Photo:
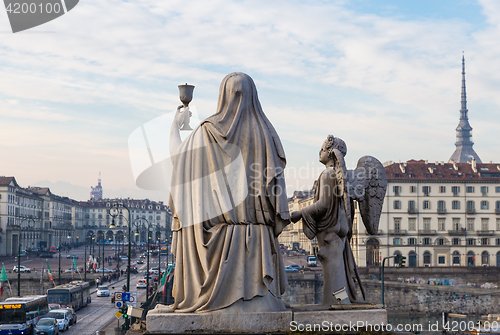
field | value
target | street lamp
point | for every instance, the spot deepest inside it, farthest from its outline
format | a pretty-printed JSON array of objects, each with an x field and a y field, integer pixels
[
  {"x": 141, "y": 222},
  {"x": 85, "y": 267},
  {"x": 115, "y": 211},
  {"x": 25, "y": 223},
  {"x": 60, "y": 228}
]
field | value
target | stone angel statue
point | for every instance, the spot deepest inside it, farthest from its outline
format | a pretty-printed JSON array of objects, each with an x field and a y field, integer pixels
[{"x": 330, "y": 217}]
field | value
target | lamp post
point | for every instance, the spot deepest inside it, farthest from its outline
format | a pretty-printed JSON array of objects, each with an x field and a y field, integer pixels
[
  {"x": 141, "y": 222},
  {"x": 85, "y": 267},
  {"x": 25, "y": 223},
  {"x": 90, "y": 236},
  {"x": 60, "y": 228},
  {"x": 114, "y": 211},
  {"x": 102, "y": 242}
]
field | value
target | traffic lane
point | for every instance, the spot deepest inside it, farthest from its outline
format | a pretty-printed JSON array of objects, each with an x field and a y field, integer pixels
[
  {"x": 141, "y": 297},
  {"x": 100, "y": 312}
]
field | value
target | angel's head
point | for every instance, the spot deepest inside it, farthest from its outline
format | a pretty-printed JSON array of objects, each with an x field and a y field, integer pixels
[{"x": 326, "y": 153}]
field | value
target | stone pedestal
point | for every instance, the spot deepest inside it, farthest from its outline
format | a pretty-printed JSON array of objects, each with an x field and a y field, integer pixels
[
  {"x": 295, "y": 319},
  {"x": 218, "y": 322}
]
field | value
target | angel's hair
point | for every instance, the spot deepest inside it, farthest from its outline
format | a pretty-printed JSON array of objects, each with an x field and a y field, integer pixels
[{"x": 332, "y": 142}]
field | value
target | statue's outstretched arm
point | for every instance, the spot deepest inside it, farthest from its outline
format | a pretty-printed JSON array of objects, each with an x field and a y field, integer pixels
[{"x": 175, "y": 134}]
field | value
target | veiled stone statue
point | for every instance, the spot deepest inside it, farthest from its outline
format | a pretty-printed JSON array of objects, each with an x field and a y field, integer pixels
[
  {"x": 229, "y": 204},
  {"x": 330, "y": 217}
]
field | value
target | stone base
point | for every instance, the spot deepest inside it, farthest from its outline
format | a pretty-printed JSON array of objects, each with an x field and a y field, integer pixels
[
  {"x": 274, "y": 322},
  {"x": 218, "y": 322},
  {"x": 342, "y": 321}
]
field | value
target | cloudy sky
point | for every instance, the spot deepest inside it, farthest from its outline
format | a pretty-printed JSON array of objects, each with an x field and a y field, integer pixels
[{"x": 384, "y": 76}]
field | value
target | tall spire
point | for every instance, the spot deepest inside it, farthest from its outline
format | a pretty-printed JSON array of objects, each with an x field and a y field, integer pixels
[
  {"x": 464, "y": 94},
  {"x": 464, "y": 151}
]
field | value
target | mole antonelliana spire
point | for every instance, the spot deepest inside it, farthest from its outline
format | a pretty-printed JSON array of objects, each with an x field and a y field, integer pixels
[{"x": 464, "y": 152}]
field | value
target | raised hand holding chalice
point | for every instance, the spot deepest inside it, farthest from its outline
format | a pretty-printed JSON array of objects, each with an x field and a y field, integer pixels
[{"x": 186, "y": 95}]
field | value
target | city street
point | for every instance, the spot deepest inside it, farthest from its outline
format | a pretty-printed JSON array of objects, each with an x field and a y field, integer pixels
[
  {"x": 36, "y": 263},
  {"x": 99, "y": 314}
]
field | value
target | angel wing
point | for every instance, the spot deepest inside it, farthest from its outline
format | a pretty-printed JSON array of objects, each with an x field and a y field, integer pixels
[{"x": 367, "y": 184}]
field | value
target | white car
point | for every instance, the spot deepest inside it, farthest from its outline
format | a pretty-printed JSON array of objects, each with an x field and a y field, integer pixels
[
  {"x": 22, "y": 268},
  {"x": 123, "y": 258},
  {"x": 101, "y": 270},
  {"x": 141, "y": 283},
  {"x": 62, "y": 316},
  {"x": 103, "y": 291}
]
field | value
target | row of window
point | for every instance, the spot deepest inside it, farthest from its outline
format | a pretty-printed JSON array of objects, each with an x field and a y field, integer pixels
[
  {"x": 455, "y": 258},
  {"x": 426, "y": 190},
  {"x": 456, "y": 224},
  {"x": 441, "y": 205},
  {"x": 444, "y": 241}
]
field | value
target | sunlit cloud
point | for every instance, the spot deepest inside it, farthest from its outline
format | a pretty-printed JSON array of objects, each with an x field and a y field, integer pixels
[{"x": 387, "y": 84}]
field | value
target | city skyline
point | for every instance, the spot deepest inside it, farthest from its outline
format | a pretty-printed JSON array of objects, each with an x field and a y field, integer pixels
[{"x": 384, "y": 77}]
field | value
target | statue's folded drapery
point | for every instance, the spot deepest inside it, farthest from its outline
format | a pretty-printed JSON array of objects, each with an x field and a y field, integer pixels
[
  {"x": 229, "y": 204},
  {"x": 326, "y": 216}
]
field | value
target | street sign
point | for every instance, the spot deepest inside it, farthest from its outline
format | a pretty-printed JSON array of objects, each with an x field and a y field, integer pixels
[
  {"x": 118, "y": 315},
  {"x": 119, "y": 304},
  {"x": 125, "y": 296},
  {"x": 129, "y": 297},
  {"x": 133, "y": 299},
  {"x": 118, "y": 296}
]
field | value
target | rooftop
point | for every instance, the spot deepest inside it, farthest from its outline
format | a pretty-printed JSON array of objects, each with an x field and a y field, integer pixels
[{"x": 422, "y": 170}]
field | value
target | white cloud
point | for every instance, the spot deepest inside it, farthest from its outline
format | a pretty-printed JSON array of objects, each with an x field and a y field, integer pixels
[{"x": 390, "y": 87}]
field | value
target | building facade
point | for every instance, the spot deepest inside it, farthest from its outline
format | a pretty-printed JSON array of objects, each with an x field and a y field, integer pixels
[
  {"x": 437, "y": 214},
  {"x": 96, "y": 221},
  {"x": 34, "y": 217}
]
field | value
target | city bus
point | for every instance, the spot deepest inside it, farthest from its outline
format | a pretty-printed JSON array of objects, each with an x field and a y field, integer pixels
[
  {"x": 19, "y": 315},
  {"x": 86, "y": 298},
  {"x": 66, "y": 295}
]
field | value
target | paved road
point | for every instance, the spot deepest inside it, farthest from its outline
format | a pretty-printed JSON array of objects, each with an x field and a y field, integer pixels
[{"x": 99, "y": 314}]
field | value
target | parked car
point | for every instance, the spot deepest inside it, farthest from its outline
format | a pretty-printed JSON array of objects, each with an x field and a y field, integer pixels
[
  {"x": 72, "y": 256},
  {"x": 46, "y": 255},
  {"x": 73, "y": 315},
  {"x": 46, "y": 326},
  {"x": 103, "y": 291},
  {"x": 62, "y": 317},
  {"x": 141, "y": 283},
  {"x": 69, "y": 271},
  {"x": 295, "y": 266},
  {"x": 123, "y": 258},
  {"x": 117, "y": 248},
  {"x": 101, "y": 270},
  {"x": 288, "y": 268},
  {"x": 22, "y": 268}
]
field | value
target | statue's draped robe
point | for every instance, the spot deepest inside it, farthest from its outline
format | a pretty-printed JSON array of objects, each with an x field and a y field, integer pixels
[
  {"x": 229, "y": 204},
  {"x": 329, "y": 213}
]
